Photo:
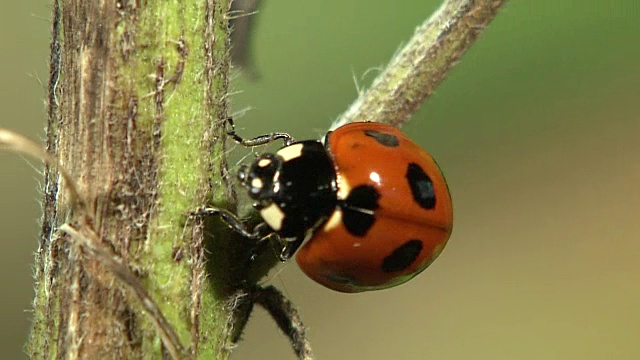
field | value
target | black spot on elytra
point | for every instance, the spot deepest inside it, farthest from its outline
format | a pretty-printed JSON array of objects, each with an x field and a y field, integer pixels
[
  {"x": 357, "y": 223},
  {"x": 402, "y": 257},
  {"x": 363, "y": 197},
  {"x": 421, "y": 186},
  {"x": 358, "y": 209},
  {"x": 383, "y": 138}
]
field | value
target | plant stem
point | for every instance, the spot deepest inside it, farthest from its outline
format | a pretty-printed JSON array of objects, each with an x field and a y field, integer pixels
[
  {"x": 136, "y": 90},
  {"x": 417, "y": 69}
]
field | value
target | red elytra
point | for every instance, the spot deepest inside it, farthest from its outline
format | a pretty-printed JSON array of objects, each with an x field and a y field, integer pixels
[{"x": 411, "y": 222}]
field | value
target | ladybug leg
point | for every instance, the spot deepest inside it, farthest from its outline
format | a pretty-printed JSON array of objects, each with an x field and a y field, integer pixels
[
  {"x": 286, "y": 315},
  {"x": 260, "y": 231},
  {"x": 290, "y": 246},
  {"x": 266, "y": 244},
  {"x": 281, "y": 309},
  {"x": 262, "y": 234},
  {"x": 258, "y": 140}
]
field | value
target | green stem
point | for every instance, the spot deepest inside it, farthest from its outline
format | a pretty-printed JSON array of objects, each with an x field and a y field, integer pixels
[{"x": 135, "y": 96}]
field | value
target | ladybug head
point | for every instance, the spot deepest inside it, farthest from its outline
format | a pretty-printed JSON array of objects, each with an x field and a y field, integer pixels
[{"x": 260, "y": 177}]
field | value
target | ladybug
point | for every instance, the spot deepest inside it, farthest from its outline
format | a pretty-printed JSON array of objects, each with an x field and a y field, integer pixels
[{"x": 367, "y": 209}]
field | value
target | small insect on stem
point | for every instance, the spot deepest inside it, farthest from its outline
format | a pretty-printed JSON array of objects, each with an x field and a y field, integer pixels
[{"x": 345, "y": 200}]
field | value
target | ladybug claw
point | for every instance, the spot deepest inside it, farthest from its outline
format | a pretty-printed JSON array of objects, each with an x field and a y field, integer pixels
[
  {"x": 284, "y": 255},
  {"x": 290, "y": 247}
]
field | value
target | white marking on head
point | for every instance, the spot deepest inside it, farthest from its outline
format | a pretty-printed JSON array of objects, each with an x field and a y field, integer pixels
[
  {"x": 257, "y": 183},
  {"x": 273, "y": 216},
  {"x": 290, "y": 152},
  {"x": 343, "y": 187},
  {"x": 264, "y": 163},
  {"x": 334, "y": 220}
]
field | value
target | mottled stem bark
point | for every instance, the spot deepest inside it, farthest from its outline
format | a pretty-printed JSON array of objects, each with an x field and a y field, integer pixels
[{"x": 136, "y": 94}]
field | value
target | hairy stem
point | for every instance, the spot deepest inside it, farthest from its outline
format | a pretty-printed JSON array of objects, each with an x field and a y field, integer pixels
[
  {"x": 416, "y": 70},
  {"x": 135, "y": 93}
]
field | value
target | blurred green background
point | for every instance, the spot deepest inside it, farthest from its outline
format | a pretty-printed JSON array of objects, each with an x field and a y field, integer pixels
[{"x": 537, "y": 131}]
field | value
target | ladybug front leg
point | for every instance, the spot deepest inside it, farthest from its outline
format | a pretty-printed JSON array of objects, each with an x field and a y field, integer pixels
[
  {"x": 290, "y": 246},
  {"x": 262, "y": 234},
  {"x": 259, "y": 232},
  {"x": 258, "y": 140}
]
